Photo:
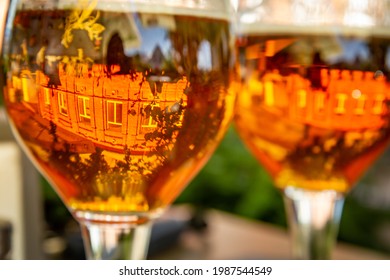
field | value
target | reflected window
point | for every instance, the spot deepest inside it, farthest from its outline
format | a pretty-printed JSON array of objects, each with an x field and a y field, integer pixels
[
  {"x": 319, "y": 102},
  {"x": 83, "y": 103},
  {"x": 62, "y": 103},
  {"x": 114, "y": 114},
  {"x": 147, "y": 115},
  {"x": 46, "y": 96},
  {"x": 360, "y": 102},
  {"x": 341, "y": 103},
  {"x": 378, "y": 104},
  {"x": 302, "y": 98},
  {"x": 269, "y": 97}
]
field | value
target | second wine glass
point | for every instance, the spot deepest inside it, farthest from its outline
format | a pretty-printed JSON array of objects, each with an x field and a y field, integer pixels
[{"x": 313, "y": 83}]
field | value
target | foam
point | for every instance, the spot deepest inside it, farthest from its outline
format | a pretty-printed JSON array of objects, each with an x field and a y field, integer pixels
[{"x": 264, "y": 29}]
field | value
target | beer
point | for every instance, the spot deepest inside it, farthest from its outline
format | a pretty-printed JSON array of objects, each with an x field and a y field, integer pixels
[
  {"x": 313, "y": 106},
  {"x": 118, "y": 110}
]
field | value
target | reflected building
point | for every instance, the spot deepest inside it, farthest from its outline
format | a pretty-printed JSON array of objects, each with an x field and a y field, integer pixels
[
  {"x": 346, "y": 99},
  {"x": 110, "y": 110},
  {"x": 91, "y": 88},
  {"x": 316, "y": 94}
]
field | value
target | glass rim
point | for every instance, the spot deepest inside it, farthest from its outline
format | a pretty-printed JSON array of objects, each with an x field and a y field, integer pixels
[{"x": 215, "y": 9}]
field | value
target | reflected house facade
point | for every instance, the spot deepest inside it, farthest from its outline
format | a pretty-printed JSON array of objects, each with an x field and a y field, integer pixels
[
  {"x": 96, "y": 101},
  {"x": 112, "y": 111},
  {"x": 323, "y": 97},
  {"x": 343, "y": 100}
]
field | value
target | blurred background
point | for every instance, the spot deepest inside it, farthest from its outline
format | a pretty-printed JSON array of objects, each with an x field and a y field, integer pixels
[{"x": 232, "y": 182}]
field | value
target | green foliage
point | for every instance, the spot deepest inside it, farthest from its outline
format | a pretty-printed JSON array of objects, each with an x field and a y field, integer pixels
[
  {"x": 56, "y": 214},
  {"x": 366, "y": 213},
  {"x": 234, "y": 181},
  {"x": 365, "y": 226}
]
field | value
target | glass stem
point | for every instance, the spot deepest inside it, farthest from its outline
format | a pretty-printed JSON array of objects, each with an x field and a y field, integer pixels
[
  {"x": 314, "y": 218},
  {"x": 122, "y": 241}
]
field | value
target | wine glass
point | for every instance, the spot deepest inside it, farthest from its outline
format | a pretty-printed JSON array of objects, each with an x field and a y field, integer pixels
[
  {"x": 313, "y": 85},
  {"x": 119, "y": 104}
]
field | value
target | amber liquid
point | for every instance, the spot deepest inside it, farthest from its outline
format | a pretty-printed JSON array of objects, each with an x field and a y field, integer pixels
[
  {"x": 314, "y": 110},
  {"x": 119, "y": 111}
]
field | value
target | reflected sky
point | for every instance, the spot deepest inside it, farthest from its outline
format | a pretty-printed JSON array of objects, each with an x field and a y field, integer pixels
[
  {"x": 352, "y": 50},
  {"x": 204, "y": 56},
  {"x": 153, "y": 36}
]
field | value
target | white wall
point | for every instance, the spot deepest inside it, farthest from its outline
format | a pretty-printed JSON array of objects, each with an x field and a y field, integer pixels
[
  {"x": 20, "y": 192},
  {"x": 3, "y": 10}
]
